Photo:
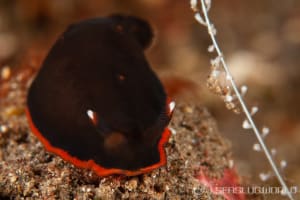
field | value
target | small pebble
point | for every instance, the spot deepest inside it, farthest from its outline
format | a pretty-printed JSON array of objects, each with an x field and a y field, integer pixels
[
  {"x": 5, "y": 73},
  {"x": 3, "y": 129},
  {"x": 131, "y": 184},
  {"x": 13, "y": 111},
  {"x": 231, "y": 163},
  {"x": 188, "y": 109}
]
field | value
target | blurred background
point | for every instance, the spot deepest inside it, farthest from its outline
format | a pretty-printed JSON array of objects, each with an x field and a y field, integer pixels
[{"x": 260, "y": 40}]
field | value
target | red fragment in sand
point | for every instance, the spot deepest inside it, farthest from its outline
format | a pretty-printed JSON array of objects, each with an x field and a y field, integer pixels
[{"x": 228, "y": 186}]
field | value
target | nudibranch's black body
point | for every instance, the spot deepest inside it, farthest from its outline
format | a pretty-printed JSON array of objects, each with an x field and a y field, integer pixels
[{"x": 96, "y": 102}]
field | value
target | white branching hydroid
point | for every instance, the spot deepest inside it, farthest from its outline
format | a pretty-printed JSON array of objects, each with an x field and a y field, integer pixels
[{"x": 223, "y": 89}]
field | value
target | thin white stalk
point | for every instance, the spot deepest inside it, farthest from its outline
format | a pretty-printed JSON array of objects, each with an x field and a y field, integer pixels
[{"x": 242, "y": 103}]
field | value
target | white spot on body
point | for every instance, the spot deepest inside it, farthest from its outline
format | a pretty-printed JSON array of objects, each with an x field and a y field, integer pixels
[
  {"x": 121, "y": 77},
  {"x": 93, "y": 116},
  {"x": 172, "y": 106}
]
